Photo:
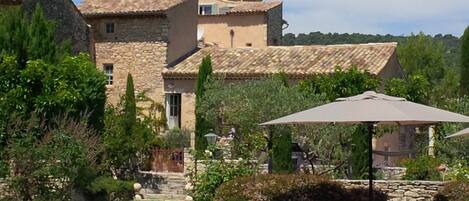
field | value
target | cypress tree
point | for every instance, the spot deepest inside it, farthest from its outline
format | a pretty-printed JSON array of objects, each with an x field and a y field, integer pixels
[
  {"x": 464, "y": 82},
  {"x": 281, "y": 150},
  {"x": 202, "y": 126},
  {"x": 41, "y": 33},
  {"x": 359, "y": 150},
  {"x": 130, "y": 107}
]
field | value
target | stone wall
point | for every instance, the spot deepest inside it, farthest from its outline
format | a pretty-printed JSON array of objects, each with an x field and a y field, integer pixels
[
  {"x": 70, "y": 24},
  {"x": 392, "y": 173},
  {"x": 274, "y": 26},
  {"x": 144, "y": 60},
  {"x": 131, "y": 29},
  {"x": 400, "y": 190}
]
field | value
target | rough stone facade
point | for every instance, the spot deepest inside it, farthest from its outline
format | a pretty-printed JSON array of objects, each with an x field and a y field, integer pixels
[
  {"x": 274, "y": 26},
  {"x": 131, "y": 29},
  {"x": 70, "y": 24},
  {"x": 137, "y": 46},
  {"x": 144, "y": 45},
  {"x": 399, "y": 190},
  {"x": 392, "y": 173},
  {"x": 144, "y": 60}
]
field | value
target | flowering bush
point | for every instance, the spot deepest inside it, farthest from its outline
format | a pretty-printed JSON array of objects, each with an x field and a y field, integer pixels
[{"x": 458, "y": 172}]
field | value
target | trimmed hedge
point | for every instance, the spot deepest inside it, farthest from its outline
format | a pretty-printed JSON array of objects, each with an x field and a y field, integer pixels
[
  {"x": 454, "y": 191},
  {"x": 290, "y": 187}
]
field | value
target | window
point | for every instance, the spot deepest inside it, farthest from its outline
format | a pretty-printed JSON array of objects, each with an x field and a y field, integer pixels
[
  {"x": 108, "y": 71},
  {"x": 248, "y": 44},
  {"x": 109, "y": 27},
  {"x": 206, "y": 10},
  {"x": 173, "y": 110}
]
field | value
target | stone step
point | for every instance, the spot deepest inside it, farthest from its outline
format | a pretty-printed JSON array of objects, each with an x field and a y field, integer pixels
[
  {"x": 164, "y": 191},
  {"x": 165, "y": 197}
]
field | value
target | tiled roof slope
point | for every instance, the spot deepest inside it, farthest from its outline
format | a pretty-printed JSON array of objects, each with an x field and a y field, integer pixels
[
  {"x": 114, "y": 7},
  {"x": 247, "y": 7},
  {"x": 296, "y": 61}
]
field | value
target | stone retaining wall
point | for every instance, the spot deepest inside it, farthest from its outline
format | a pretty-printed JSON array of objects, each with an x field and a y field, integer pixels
[{"x": 401, "y": 190}]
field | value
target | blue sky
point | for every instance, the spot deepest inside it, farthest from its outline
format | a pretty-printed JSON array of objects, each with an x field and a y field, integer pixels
[{"x": 397, "y": 17}]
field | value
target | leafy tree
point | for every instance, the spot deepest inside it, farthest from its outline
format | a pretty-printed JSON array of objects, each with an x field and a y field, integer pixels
[
  {"x": 73, "y": 87},
  {"x": 465, "y": 63},
  {"x": 243, "y": 106},
  {"x": 420, "y": 55},
  {"x": 415, "y": 88},
  {"x": 202, "y": 126},
  {"x": 341, "y": 83}
]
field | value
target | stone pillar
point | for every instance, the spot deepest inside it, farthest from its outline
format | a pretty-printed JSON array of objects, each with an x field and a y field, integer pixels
[
  {"x": 431, "y": 141},
  {"x": 192, "y": 140}
]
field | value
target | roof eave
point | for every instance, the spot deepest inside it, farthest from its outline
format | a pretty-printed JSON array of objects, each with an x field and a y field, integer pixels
[{"x": 126, "y": 13}]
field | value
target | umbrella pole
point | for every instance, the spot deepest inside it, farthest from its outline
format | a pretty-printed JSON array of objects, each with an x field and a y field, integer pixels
[{"x": 371, "y": 131}]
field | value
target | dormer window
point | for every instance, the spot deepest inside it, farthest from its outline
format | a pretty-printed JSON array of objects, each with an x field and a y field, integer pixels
[
  {"x": 206, "y": 9},
  {"x": 109, "y": 27}
]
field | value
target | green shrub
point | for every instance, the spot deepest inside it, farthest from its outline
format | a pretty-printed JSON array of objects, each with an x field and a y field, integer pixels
[
  {"x": 454, "y": 191},
  {"x": 422, "y": 168},
  {"x": 109, "y": 188},
  {"x": 295, "y": 187},
  {"x": 458, "y": 172},
  {"x": 216, "y": 173},
  {"x": 176, "y": 138}
]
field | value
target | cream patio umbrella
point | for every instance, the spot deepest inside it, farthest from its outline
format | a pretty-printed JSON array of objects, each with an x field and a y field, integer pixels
[
  {"x": 371, "y": 108},
  {"x": 464, "y": 132}
]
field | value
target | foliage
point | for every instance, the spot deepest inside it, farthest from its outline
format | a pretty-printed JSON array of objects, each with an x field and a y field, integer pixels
[
  {"x": 459, "y": 172},
  {"x": 414, "y": 88},
  {"x": 327, "y": 148},
  {"x": 73, "y": 87},
  {"x": 277, "y": 187},
  {"x": 29, "y": 37},
  {"x": 217, "y": 172},
  {"x": 125, "y": 153},
  {"x": 111, "y": 189},
  {"x": 130, "y": 107},
  {"x": 47, "y": 162},
  {"x": 176, "y": 138},
  {"x": 128, "y": 140},
  {"x": 453, "y": 191},
  {"x": 153, "y": 115},
  {"x": 453, "y": 150},
  {"x": 464, "y": 82},
  {"x": 422, "y": 168},
  {"x": 420, "y": 55},
  {"x": 282, "y": 150},
  {"x": 244, "y": 106},
  {"x": 202, "y": 126},
  {"x": 359, "y": 163},
  {"x": 341, "y": 83}
]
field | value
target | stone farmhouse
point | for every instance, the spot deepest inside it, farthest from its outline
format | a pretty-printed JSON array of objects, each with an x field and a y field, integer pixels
[{"x": 162, "y": 42}]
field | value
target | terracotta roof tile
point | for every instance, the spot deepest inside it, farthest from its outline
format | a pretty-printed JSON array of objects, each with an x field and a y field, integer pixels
[
  {"x": 296, "y": 61},
  {"x": 113, "y": 7},
  {"x": 247, "y": 7}
]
